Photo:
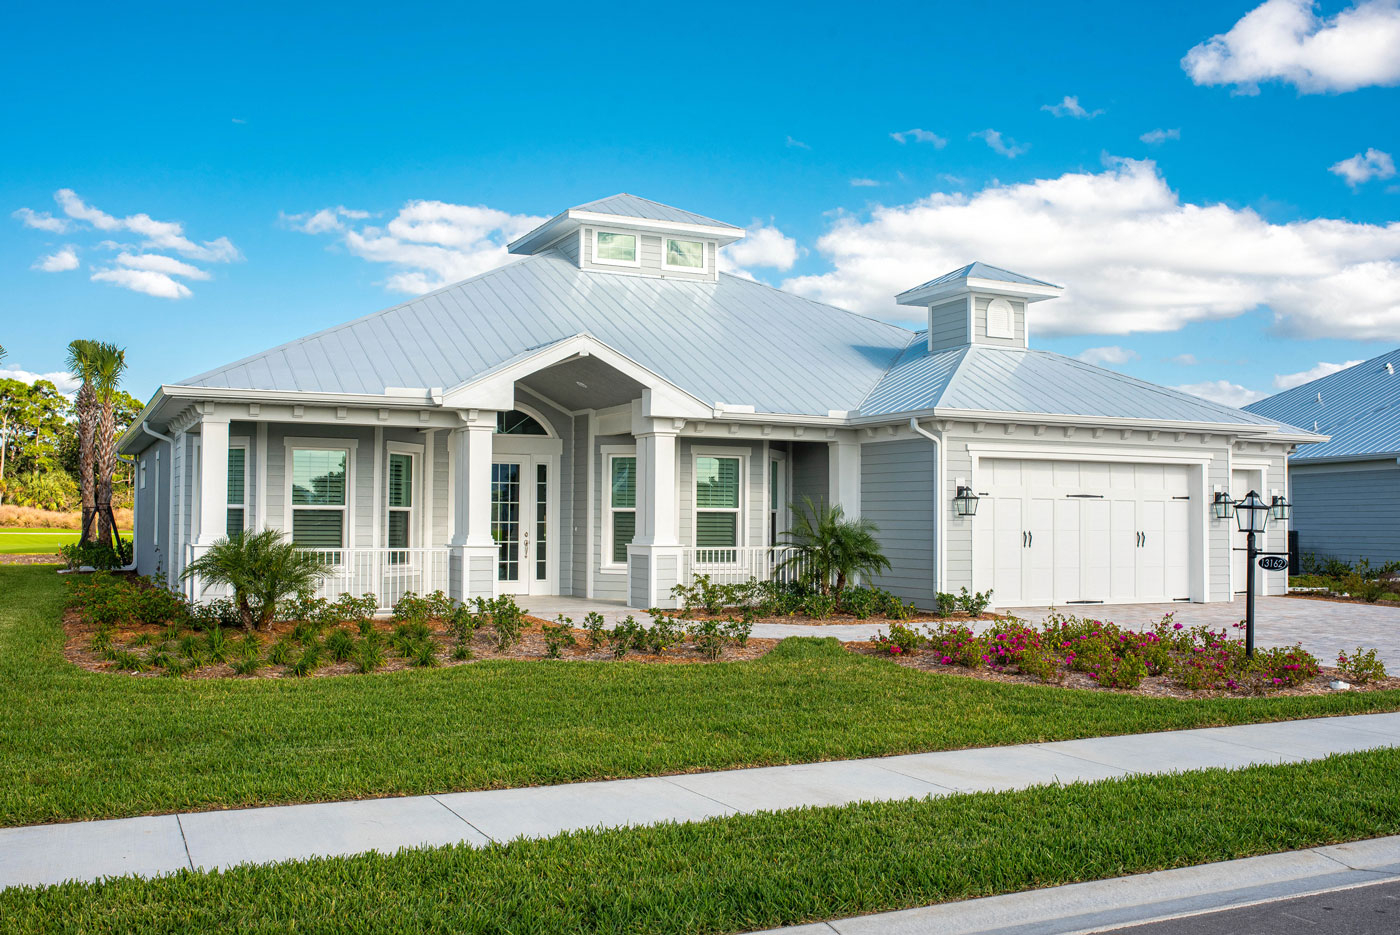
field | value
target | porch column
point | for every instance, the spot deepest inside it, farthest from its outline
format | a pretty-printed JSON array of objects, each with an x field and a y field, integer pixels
[
  {"x": 472, "y": 551},
  {"x": 213, "y": 480},
  {"x": 843, "y": 476},
  {"x": 654, "y": 557}
]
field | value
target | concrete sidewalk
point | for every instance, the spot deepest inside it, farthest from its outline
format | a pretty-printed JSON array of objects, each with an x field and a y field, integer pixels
[
  {"x": 1081, "y": 908},
  {"x": 154, "y": 845}
]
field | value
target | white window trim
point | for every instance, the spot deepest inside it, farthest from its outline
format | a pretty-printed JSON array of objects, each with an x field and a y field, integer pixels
[
  {"x": 240, "y": 441},
  {"x": 741, "y": 525},
  {"x": 609, "y": 452},
  {"x": 415, "y": 508},
  {"x": 702, "y": 270},
  {"x": 636, "y": 260},
  {"x": 349, "y": 445},
  {"x": 780, "y": 459}
]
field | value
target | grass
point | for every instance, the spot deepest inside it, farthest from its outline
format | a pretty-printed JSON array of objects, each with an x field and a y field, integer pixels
[
  {"x": 759, "y": 871},
  {"x": 39, "y": 541},
  {"x": 80, "y": 744}
]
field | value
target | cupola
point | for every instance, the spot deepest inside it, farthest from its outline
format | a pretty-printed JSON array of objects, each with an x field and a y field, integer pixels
[
  {"x": 978, "y": 304},
  {"x": 633, "y": 236}
]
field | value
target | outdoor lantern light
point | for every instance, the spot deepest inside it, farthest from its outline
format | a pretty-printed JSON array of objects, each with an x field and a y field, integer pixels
[
  {"x": 1224, "y": 506},
  {"x": 1281, "y": 508},
  {"x": 965, "y": 502},
  {"x": 1252, "y": 513}
]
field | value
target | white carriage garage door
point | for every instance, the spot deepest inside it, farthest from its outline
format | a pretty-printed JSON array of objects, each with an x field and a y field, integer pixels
[{"x": 1067, "y": 532}]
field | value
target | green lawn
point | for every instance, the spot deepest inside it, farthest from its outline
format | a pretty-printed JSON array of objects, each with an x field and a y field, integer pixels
[
  {"x": 77, "y": 744},
  {"x": 758, "y": 871},
  {"x": 31, "y": 541}
]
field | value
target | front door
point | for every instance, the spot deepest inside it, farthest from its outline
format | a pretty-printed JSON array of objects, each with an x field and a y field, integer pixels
[{"x": 522, "y": 524}]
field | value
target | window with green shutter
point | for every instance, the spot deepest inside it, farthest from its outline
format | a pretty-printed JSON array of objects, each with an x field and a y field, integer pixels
[
  {"x": 716, "y": 502},
  {"x": 400, "y": 499},
  {"x": 320, "y": 479},
  {"x": 237, "y": 491},
  {"x": 622, "y": 505}
]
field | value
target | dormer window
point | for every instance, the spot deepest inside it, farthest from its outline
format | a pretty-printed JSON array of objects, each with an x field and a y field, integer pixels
[
  {"x": 684, "y": 255},
  {"x": 615, "y": 248}
]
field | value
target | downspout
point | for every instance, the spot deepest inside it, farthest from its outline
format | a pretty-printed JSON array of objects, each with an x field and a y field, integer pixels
[
  {"x": 170, "y": 513},
  {"x": 940, "y": 513}
]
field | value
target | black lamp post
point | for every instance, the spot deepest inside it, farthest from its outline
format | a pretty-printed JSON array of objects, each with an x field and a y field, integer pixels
[{"x": 1252, "y": 515}]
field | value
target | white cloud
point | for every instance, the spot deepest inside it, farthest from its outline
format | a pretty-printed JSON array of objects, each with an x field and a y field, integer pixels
[
  {"x": 1103, "y": 356},
  {"x": 1185, "y": 360},
  {"x": 428, "y": 244},
  {"x": 1160, "y": 136},
  {"x": 163, "y": 235},
  {"x": 1133, "y": 256},
  {"x": 1361, "y": 168},
  {"x": 1070, "y": 107},
  {"x": 919, "y": 136},
  {"x": 1006, "y": 146},
  {"x": 42, "y": 220},
  {"x": 64, "y": 382},
  {"x": 762, "y": 246},
  {"x": 1286, "y": 381},
  {"x": 797, "y": 144},
  {"x": 864, "y": 183},
  {"x": 150, "y": 282},
  {"x": 1285, "y": 40},
  {"x": 158, "y": 263},
  {"x": 61, "y": 261},
  {"x": 1222, "y": 391}
]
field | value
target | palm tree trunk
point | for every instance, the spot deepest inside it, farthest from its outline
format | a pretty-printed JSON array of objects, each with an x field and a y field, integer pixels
[
  {"x": 106, "y": 445},
  {"x": 86, "y": 458}
]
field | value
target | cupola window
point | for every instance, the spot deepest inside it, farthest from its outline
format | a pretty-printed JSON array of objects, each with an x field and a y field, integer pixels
[
  {"x": 615, "y": 247},
  {"x": 684, "y": 255}
]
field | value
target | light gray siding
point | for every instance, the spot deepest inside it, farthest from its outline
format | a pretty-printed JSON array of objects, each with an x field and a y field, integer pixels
[
  {"x": 153, "y": 509},
  {"x": 898, "y": 492},
  {"x": 1018, "y": 319},
  {"x": 609, "y": 585},
  {"x": 579, "y": 517},
  {"x": 809, "y": 472},
  {"x": 948, "y": 325},
  {"x": 1348, "y": 511},
  {"x": 650, "y": 247}
]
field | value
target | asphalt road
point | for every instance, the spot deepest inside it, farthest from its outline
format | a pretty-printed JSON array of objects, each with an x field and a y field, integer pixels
[{"x": 1368, "y": 910}]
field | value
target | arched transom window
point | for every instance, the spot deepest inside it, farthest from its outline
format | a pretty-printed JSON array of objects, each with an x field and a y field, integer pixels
[{"x": 516, "y": 422}]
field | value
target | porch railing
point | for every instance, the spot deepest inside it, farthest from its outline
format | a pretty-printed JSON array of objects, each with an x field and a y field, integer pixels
[
  {"x": 388, "y": 574},
  {"x": 743, "y": 563}
]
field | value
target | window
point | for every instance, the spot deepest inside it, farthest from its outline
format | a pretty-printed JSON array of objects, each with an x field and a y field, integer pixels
[
  {"x": 237, "y": 491},
  {"x": 684, "y": 255},
  {"x": 400, "y": 534},
  {"x": 621, "y": 507},
  {"x": 319, "y": 488},
  {"x": 143, "y": 473},
  {"x": 615, "y": 248},
  {"x": 716, "y": 502},
  {"x": 775, "y": 500},
  {"x": 516, "y": 422},
  {"x": 541, "y": 522}
]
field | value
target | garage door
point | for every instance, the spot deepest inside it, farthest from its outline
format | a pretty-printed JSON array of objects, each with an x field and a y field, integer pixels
[{"x": 1068, "y": 532}]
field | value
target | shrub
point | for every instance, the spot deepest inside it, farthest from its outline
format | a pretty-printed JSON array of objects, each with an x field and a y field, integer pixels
[
  {"x": 213, "y": 614},
  {"x": 622, "y": 637},
  {"x": 507, "y": 619},
  {"x": 217, "y": 646},
  {"x": 860, "y": 602},
  {"x": 737, "y": 631},
  {"x": 947, "y": 604},
  {"x": 261, "y": 568},
  {"x": 1286, "y": 666},
  {"x": 127, "y": 661},
  {"x": 357, "y": 610},
  {"x": 709, "y": 638},
  {"x": 308, "y": 662},
  {"x": 559, "y": 636},
  {"x": 594, "y": 624},
  {"x": 664, "y": 632},
  {"x": 280, "y": 653},
  {"x": 249, "y": 647},
  {"x": 412, "y": 609},
  {"x": 99, "y": 556},
  {"x": 248, "y": 665},
  {"x": 974, "y": 604},
  {"x": 957, "y": 645},
  {"x": 340, "y": 645},
  {"x": 1127, "y": 672},
  {"x": 463, "y": 623},
  {"x": 901, "y": 640},
  {"x": 1361, "y": 666},
  {"x": 818, "y": 605},
  {"x": 369, "y": 654},
  {"x": 423, "y": 653},
  {"x": 154, "y": 605}
]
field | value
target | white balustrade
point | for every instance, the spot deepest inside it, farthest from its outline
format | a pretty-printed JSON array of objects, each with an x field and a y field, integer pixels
[{"x": 744, "y": 563}]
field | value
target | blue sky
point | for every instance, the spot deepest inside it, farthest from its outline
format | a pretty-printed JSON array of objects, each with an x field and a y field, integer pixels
[{"x": 1218, "y": 193}]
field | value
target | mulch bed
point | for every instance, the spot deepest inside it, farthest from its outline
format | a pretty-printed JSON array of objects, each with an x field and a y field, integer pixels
[
  {"x": 1152, "y": 686},
  {"x": 841, "y": 619},
  {"x": 1339, "y": 599},
  {"x": 80, "y": 632},
  {"x": 28, "y": 559}
]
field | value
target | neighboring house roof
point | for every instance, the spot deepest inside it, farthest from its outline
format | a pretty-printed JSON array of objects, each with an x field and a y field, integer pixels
[
  {"x": 1004, "y": 379},
  {"x": 733, "y": 341},
  {"x": 632, "y": 206},
  {"x": 1359, "y": 407}
]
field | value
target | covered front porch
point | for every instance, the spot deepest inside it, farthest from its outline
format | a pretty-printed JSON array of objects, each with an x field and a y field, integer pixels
[{"x": 579, "y": 475}]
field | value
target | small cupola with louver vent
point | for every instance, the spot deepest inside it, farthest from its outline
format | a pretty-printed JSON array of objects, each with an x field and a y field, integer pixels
[{"x": 978, "y": 304}]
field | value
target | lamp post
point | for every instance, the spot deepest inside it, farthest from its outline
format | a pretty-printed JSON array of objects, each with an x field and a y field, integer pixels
[{"x": 1252, "y": 515}]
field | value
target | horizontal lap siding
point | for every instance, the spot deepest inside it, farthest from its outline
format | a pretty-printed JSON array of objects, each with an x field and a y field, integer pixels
[
  {"x": 897, "y": 492},
  {"x": 809, "y": 472},
  {"x": 948, "y": 325},
  {"x": 1349, "y": 514}
]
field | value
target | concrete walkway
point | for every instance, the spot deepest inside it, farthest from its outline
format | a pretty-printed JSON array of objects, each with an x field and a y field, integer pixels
[
  {"x": 150, "y": 846},
  {"x": 1142, "y": 898}
]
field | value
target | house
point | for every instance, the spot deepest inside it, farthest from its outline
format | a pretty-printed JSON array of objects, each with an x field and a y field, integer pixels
[
  {"x": 1346, "y": 491},
  {"x": 610, "y": 415}
]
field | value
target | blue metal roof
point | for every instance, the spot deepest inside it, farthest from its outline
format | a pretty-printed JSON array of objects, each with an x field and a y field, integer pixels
[
  {"x": 1359, "y": 407},
  {"x": 633, "y": 206},
  {"x": 1004, "y": 379}
]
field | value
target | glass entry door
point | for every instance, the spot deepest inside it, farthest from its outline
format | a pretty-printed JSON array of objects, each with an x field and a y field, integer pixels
[{"x": 522, "y": 525}]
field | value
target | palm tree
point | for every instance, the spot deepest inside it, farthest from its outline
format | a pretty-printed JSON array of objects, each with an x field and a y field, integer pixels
[
  {"x": 109, "y": 365},
  {"x": 82, "y": 364},
  {"x": 261, "y": 568},
  {"x": 833, "y": 549}
]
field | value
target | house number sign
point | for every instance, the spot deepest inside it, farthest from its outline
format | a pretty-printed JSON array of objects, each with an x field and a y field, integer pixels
[{"x": 1273, "y": 562}]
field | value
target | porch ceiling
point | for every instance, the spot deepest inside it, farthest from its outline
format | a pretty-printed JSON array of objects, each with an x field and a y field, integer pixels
[{"x": 583, "y": 383}]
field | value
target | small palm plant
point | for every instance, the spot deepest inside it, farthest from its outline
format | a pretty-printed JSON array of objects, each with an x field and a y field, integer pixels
[
  {"x": 261, "y": 568},
  {"x": 831, "y": 548}
]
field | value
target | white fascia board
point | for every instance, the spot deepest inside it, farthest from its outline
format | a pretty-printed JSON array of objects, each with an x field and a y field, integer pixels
[
  {"x": 921, "y": 297},
  {"x": 1039, "y": 418},
  {"x": 725, "y": 234}
]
